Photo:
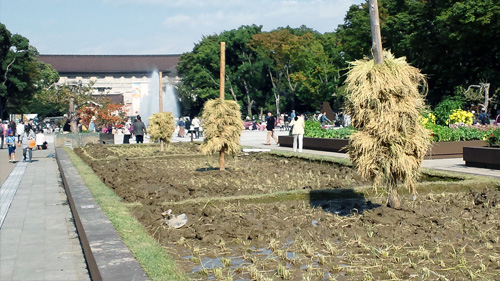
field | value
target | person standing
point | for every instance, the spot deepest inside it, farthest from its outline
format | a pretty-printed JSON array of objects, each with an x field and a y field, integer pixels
[
  {"x": 20, "y": 130},
  {"x": 196, "y": 125},
  {"x": 11, "y": 144},
  {"x": 139, "y": 130},
  {"x": 270, "y": 123},
  {"x": 182, "y": 130},
  {"x": 3, "y": 132},
  {"x": 126, "y": 132},
  {"x": 26, "y": 139},
  {"x": 484, "y": 118},
  {"x": 92, "y": 126},
  {"x": 298, "y": 127}
]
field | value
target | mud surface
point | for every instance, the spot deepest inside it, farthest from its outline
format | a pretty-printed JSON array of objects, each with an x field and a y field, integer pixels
[{"x": 284, "y": 218}]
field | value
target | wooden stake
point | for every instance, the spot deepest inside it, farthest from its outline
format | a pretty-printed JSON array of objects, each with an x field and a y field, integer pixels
[
  {"x": 222, "y": 165},
  {"x": 222, "y": 68},
  {"x": 375, "y": 28}
]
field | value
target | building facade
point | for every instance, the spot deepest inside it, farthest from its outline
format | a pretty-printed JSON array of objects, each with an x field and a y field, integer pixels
[{"x": 133, "y": 80}]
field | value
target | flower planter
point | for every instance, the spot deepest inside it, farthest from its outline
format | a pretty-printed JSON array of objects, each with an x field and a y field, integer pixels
[
  {"x": 439, "y": 150},
  {"x": 333, "y": 145},
  {"x": 482, "y": 157}
]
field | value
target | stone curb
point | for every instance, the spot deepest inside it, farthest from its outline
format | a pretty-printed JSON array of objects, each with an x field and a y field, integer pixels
[{"x": 106, "y": 255}]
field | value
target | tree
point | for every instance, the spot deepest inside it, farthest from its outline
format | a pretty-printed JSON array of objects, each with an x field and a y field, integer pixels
[{"x": 18, "y": 71}]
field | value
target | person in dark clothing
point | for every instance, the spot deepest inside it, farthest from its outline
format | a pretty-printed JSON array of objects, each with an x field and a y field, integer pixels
[
  {"x": 139, "y": 130},
  {"x": 484, "y": 118},
  {"x": 67, "y": 126},
  {"x": 270, "y": 123}
]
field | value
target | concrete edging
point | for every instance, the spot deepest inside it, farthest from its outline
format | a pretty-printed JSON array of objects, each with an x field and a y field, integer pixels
[{"x": 106, "y": 255}]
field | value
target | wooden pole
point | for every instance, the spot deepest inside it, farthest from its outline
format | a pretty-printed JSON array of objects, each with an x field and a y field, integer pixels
[
  {"x": 222, "y": 165},
  {"x": 162, "y": 143},
  {"x": 375, "y": 28},
  {"x": 161, "y": 93}
]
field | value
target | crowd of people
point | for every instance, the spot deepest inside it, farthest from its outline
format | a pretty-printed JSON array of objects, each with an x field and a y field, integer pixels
[{"x": 27, "y": 136}]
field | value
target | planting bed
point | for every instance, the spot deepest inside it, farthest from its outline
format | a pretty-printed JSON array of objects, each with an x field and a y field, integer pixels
[{"x": 274, "y": 217}]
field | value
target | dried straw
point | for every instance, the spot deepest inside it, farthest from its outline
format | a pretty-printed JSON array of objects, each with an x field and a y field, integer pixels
[
  {"x": 222, "y": 126},
  {"x": 161, "y": 126},
  {"x": 384, "y": 102}
]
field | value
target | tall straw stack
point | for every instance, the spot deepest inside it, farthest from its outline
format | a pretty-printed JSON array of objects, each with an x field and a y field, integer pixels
[
  {"x": 222, "y": 127},
  {"x": 385, "y": 101},
  {"x": 161, "y": 127}
]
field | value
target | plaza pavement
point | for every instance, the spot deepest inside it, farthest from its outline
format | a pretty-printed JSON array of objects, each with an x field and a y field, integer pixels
[{"x": 38, "y": 240}]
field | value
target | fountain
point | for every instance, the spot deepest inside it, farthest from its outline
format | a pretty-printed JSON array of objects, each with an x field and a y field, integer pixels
[{"x": 150, "y": 99}]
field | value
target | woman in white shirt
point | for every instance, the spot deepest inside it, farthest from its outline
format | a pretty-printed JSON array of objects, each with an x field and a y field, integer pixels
[{"x": 298, "y": 132}]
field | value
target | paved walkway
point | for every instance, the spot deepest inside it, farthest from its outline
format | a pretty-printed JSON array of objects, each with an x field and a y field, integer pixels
[{"x": 38, "y": 239}]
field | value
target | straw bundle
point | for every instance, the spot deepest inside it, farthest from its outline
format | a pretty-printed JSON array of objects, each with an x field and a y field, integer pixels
[
  {"x": 161, "y": 127},
  {"x": 385, "y": 101},
  {"x": 222, "y": 127}
]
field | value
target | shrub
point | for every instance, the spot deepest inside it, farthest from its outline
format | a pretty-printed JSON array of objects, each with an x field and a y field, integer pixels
[
  {"x": 445, "y": 108},
  {"x": 493, "y": 137},
  {"x": 313, "y": 129}
]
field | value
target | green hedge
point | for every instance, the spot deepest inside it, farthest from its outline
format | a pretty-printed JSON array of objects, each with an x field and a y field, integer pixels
[{"x": 439, "y": 133}]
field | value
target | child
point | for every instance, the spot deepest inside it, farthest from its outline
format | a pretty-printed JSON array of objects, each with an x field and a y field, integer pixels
[{"x": 11, "y": 144}]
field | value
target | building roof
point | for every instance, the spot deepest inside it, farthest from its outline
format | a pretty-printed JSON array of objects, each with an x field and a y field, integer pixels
[{"x": 102, "y": 64}]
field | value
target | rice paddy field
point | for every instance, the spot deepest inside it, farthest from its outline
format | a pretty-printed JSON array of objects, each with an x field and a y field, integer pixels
[{"x": 285, "y": 217}]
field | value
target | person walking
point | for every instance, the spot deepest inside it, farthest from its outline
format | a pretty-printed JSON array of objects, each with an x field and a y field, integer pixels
[
  {"x": 11, "y": 144},
  {"x": 298, "y": 127},
  {"x": 196, "y": 125},
  {"x": 139, "y": 130},
  {"x": 270, "y": 124},
  {"x": 28, "y": 142}
]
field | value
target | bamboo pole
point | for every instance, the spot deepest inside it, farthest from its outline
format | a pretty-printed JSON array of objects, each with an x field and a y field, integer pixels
[
  {"x": 375, "y": 30},
  {"x": 162, "y": 143},
  {"x": 222, "y": 165},
  {"x": 222, "y": 68}
]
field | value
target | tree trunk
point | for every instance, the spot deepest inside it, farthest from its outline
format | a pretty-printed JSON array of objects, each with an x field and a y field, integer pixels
[
  {"x": 162, "y": 145},
  {"x": 72, "y": 115}
]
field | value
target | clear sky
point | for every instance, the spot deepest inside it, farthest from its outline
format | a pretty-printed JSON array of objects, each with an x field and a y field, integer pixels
[{"x": 121, "y": 27}]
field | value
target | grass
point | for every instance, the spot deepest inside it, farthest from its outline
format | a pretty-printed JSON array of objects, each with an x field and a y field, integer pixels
[{"x": 153, "y": 258}]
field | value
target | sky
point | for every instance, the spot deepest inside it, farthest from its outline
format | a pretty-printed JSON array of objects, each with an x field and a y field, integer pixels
[{"x": 143, "y": 27}]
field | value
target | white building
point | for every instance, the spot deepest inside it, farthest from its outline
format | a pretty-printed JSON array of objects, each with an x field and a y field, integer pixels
[{"x": 132, "y": 80}]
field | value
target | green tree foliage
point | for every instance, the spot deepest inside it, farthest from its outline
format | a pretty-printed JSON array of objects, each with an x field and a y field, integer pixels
[
  {"x": 18, "y": 71},
  {"x": 455, "y": 43}
]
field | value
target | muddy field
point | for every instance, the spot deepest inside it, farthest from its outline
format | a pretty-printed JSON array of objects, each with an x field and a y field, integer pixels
[{"x": 274, "y": 217}]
